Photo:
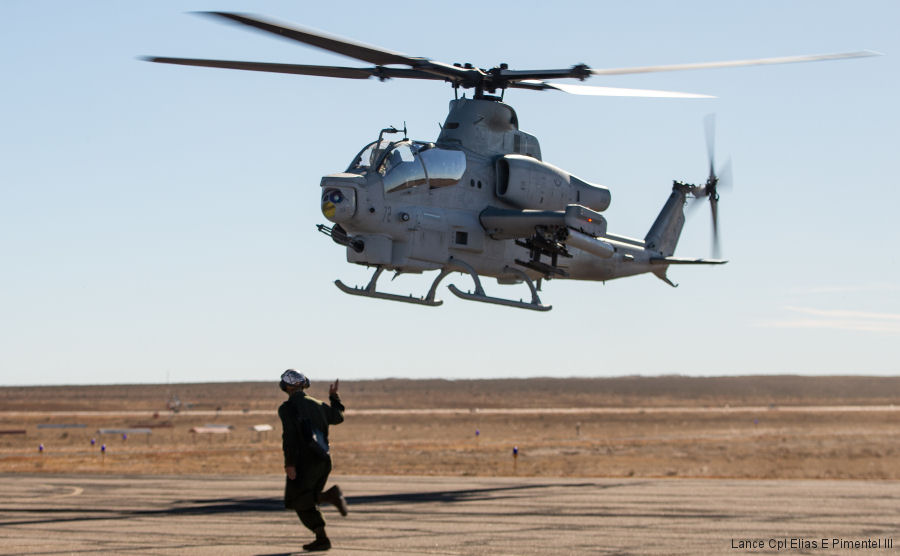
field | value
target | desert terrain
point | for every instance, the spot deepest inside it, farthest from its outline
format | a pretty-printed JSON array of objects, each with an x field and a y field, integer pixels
[{"x": 766, "y": 427}]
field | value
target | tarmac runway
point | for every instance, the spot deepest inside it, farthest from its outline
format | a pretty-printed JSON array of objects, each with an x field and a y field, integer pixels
[{"x": 76, "y": 514}]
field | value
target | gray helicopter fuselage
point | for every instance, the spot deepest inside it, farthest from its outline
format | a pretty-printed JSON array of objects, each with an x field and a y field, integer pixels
[{"x": 413, "y": 205}]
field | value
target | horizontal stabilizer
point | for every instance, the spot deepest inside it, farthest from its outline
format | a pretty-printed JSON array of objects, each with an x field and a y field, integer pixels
[{"x": 677, "y": 260}]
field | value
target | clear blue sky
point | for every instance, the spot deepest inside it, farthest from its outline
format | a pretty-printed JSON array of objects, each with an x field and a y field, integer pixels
[{"x": 158, "y": 222}]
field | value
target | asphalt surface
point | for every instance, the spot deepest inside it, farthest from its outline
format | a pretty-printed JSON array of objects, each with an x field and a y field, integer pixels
[{"x": 440, "y": 515}]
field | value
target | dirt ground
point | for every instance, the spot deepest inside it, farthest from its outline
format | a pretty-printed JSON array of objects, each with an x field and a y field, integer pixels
[{"x": 740, "y": 427}]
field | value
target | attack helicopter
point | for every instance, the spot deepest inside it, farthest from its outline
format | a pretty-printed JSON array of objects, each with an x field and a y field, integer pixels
[{"x": 480, "y": 199}]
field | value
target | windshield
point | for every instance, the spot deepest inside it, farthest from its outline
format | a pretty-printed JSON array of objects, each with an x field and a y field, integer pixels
[
  {"x": 368, "y": 156},
  {"x": 402, "y": 167},
  {"x": 411, "y": 163},
  {"x": 405, "y": 151}
]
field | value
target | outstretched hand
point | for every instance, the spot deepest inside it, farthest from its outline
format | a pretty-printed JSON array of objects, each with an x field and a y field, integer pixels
[{"x": 332, "y": 390}]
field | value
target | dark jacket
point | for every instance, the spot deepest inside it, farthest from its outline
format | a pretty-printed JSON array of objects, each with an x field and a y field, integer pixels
[{"x": 301, "y": 414}]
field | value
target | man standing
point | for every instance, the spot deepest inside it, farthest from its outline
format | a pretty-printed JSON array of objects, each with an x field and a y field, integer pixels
[{"x": 307, "y": 461}]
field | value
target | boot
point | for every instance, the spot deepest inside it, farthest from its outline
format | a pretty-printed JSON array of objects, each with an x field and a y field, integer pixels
[
  {"x": 334, "y": 496},
  {"x": 321, "y": 543}
]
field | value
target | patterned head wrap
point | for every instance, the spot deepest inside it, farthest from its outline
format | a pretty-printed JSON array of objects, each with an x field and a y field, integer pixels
[{"x": 291, "y": 377}]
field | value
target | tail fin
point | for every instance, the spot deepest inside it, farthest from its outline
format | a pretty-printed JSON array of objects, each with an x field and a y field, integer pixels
[{"x": 666, "y": 230}]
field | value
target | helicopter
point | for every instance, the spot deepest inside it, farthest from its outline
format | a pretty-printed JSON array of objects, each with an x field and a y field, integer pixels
[{"x": 480, "y": 199}]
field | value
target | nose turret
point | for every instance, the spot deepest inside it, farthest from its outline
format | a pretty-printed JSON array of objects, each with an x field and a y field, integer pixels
[{"x": 339, "y": 195}]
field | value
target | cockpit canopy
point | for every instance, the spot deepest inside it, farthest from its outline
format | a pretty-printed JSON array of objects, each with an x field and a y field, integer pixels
[
  {"x": 369, "y": 156},
  {"x": 406, "y": 164}
]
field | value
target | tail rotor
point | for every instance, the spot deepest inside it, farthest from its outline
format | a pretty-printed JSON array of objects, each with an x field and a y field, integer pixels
[{"x": 714, "y": 182}]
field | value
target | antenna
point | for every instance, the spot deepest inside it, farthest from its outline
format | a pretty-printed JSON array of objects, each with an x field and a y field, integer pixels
[{"x": 391, "y": 129}]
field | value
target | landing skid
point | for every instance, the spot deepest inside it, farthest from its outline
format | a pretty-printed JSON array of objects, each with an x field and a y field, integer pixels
[
  {"x": 453, "y": 265},
  {"x": 370, "y": 291},
  {"x": 479, "y": 295}
]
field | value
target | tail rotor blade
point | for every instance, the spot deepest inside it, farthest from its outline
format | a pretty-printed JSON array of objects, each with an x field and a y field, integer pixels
[
  {"x": 725, "y": 178},
  {"x": 692, "y": 204},
  {"x": 710, "y": 128},
  {"x": 714, "y": 208}
]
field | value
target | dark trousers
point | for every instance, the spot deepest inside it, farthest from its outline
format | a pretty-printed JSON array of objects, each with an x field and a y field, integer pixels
[
  {"x": 311, "y": 518},
  {"x": 302, "y": 494}
]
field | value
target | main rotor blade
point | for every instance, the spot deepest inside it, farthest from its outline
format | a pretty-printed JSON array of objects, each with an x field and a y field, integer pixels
[
  {"x": 366, "y": 53},
  {"x": 737, "y": 63},
  {"x": 579, "y": 71},
  {"x": 299, "y": 69},
  {"x": 603, "y": 91}
]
